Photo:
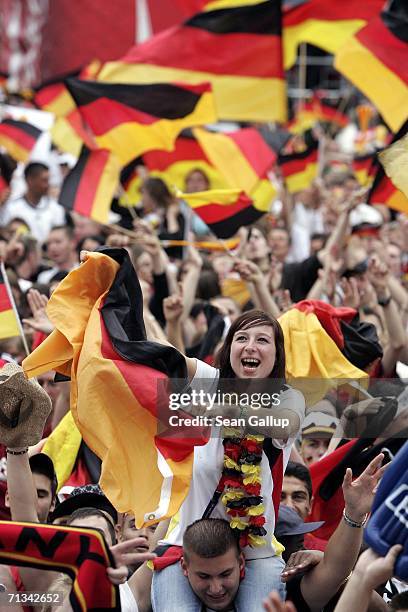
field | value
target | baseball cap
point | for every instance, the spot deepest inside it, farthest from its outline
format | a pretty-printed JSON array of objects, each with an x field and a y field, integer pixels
[{"x": 290, "y": 524}]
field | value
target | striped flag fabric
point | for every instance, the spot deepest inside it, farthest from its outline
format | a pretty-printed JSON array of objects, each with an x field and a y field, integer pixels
[
  {"x": 299, "y": 169},
  {"x": 364, "y": 168},
  {"x": 314, "y": 111},
  {"x": 9, "y": 327},
  {"x": 18, "y": 138},
  {"x": 327, "y": 25},
  {"x": 100, "y": 342},
  {"x": 131, "y": 119},
  {"x": 224, "y": 210},
  {"x": 375, "y": 61},
  {"x": 89, "y": 187},
  {"x": 234, "y": 45}
]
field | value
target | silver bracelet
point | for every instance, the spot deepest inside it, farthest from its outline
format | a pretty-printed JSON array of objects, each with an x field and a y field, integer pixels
[{"x": 352, "y": 523}]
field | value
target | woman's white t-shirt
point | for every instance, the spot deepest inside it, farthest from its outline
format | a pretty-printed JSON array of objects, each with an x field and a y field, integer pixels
[{"x": 208, "y": 466}]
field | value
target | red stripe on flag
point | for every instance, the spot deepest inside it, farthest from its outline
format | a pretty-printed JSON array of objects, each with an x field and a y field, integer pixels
[
  {"x": 213, "y": 213},
  {"x": 332, "y": 11},
  {"x": 187, "y": 149},
  {"x": 189, "y": 49},
  {"x": 18, "y": 135},
  {"x": 255, "y": 150},
  {"x": 5, "y": 303},
  {"x": 104, "y": 114},
  {"x": 49, "y": 94},
  {"x": 389, "y": 49},
  {"x": 297, "y": 165},
  {"x": 89, "y": 182}
]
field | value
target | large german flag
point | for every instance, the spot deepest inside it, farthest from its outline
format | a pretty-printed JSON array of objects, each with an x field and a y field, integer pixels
[
  {"x": 8, "y": 322},
  {"x": 90, "y": 186},
  {"x": 224, "y": 210},
  {"x": 300, "y": 169},
  {"x": 324, "y": 24},
  {"x": 237, "y": 48},
  {"x": 131, "y": 119},
  {"x": 384, "y": 190},
  {"x": 375, "y": 61},
  {"x": 18, "y": 138},
  {"x": 100, "y": 342}
]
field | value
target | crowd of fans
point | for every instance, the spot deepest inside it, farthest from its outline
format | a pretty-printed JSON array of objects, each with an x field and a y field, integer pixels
[{"x": 322, "y": 243}]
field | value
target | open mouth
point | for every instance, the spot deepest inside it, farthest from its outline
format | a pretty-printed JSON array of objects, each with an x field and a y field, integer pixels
[
  {"x": 142, "y": 549},
  {"x": 250, "y": 364}
]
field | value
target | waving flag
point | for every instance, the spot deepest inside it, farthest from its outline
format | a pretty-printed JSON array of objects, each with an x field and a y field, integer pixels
[
  {"x": 375, "y": 61},
  {"x": 394, "y": 160},
  {"x": 300, "y": 169},
  {"x": 224, "y": 210},
  {"x": 364, "y": 168},
  {"x": 236, "y": 46},
  {"x": 312, "y": 112},
  {"x": 18, "y": 138},
  {"x": 327, "y": 25},
  {"x": 89, "y": 187},
  {"x": 131, "y": 119},
  {"x": 100, "y": 342}
]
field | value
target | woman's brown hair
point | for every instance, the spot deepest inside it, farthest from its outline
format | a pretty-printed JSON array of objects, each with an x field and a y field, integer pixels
[{"x": 249, "y": 319}]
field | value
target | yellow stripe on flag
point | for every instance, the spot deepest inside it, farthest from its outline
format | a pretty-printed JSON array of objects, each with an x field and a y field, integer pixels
[
  {"x": 301, "y": 180},
  {"x": 226, "y": 156},
  {"x": 107, "y": 186},
  {"x": 62, "y": 446},
  {"x": 223, "y": 4},
  {"x": 65, "y": 138},
  {"x": 222, "y": 197},
  {"x": 8, "y": 324},
  {"x": 13, "y": 149},
  {"x": 327, "y": 35},
  {"x": 267, "y": 96},
  {"x": 384, "y": 88}
]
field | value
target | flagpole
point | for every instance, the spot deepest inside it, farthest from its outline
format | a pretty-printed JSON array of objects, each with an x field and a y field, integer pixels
[
  {"x": 302, "y": 74},
  {"x": 13, "y": 304}
]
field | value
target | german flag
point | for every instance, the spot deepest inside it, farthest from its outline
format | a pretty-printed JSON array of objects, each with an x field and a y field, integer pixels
[
  {"x": 8, "y": 322},
  {"x": 90, "y": 186},
  {"x": 364, "y": 168},
  {"x": 327, "y": 25},
  {"x": 383, "y": 190},
  {"x": 18, "y": 138},
  {"x": 131, "y": 119},
  {"x": 300, "y": 169},
  {"x": 100, "y": 342},
  {"x": 374, "y": 60},
  {"x": 224, "y": 210},
  {"x": 237, "y": 48},
  {"x": 55, "y": 98},
  {"x": 314, "y": 111}
]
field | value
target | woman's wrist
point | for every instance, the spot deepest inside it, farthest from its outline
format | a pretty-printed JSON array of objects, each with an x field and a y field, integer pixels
[{"x": 354, "y": 516}]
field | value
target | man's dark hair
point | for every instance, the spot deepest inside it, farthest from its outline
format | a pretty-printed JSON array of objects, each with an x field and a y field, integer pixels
[
  {"x": 33, "y": 169},
  {"x": 399, "y": 602},
  {"x": 209, "y": 538},
  {"x": 299, "y": 471},
  {"x": 82, "y": 513},
  {"x": 68, "y": 229}
]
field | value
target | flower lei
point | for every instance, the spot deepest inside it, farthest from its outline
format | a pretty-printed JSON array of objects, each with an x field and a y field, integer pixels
[{"x": 241, "y": 486}]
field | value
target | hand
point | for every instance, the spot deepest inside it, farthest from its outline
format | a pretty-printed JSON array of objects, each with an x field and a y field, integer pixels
[
  {"x": 378, "y": 275},
  {"x": 355, "y": 417},
  {"x": 299, "y": 562},
  {"x": 351, "y": 294},
  {"x": 39, "y": 321},
  {"x": 285, "y": 301},
  {"x": 273, "y": 603},
  {"x": 117, "y": 240},
  {"x": 151, "y": 244},
  {"x": 359, "y": 494},
  {"x": 376, "y": 570},
  {"x": 123, "y": 556},
  {"x": 173, "y": 308},
  {"x": 248, "y": 270}
]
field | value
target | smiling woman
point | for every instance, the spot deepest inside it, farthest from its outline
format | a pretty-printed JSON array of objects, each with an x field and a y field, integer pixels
[{"x": 237, "y": 474}]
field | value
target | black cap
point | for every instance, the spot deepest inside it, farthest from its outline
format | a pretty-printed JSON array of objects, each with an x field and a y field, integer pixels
[
  {"x": 290, "y": 524},
  {"x": 87, "y": 496}
]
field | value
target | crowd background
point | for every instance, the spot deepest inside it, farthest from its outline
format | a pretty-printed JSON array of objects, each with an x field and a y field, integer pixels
[{"x": 325, "y": 239}]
